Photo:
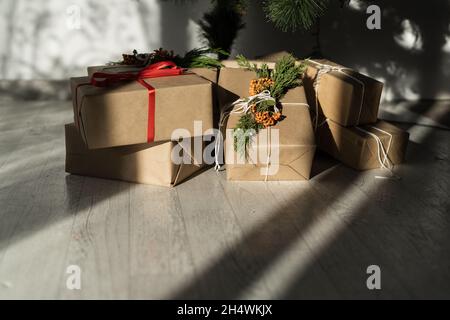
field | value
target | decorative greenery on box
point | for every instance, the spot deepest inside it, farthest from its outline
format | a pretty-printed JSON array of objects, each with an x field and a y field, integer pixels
[
  {"x": 195, "y": 58},
  {"x": 265, "y": 110}
]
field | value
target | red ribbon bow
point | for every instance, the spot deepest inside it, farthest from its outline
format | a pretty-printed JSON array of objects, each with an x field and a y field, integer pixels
[{"x": 155, "y": 70}]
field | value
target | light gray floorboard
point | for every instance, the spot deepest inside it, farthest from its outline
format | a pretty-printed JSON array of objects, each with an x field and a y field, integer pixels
[{"x": 212, "y": 238}]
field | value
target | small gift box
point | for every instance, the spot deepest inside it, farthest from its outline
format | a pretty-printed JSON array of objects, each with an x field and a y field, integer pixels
[
  {"x": 282, "y": 152},
  {"x": 117, "y": 109},
  {"x": 158, "y": 163},
  {"x": 378, "y": 145},
  {"x": 341, "y": 94}
]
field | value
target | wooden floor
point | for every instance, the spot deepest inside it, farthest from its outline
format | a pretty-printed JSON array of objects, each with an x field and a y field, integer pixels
[{"x": 210, "y": 238}]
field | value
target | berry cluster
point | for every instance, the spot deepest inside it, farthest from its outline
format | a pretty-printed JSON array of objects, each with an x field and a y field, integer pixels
[
  {"x": 259, "y": 85},
  {"x": 265, "y": 118}
]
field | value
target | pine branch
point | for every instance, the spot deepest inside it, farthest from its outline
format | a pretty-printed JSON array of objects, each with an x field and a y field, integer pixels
[{"x": 291, "y": 15}]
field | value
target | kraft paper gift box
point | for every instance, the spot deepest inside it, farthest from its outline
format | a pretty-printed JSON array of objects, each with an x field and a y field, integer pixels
[
  {"x": 359, "y": 148},
  {"x": 273, "y": 56},
  {"x": 148, "y": 163},
  {"x": 291, "y": 156},
  {"x": 210, "y": 74},
  {"x": 121, "y": 114},
  {"x": 343, "y": 95}
]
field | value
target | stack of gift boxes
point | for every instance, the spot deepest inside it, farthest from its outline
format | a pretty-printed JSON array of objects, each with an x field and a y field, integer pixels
[
  {"x": 123, "y": 128},
  {"x": 124, "y": 123},
  {"x": 346, "y": 107}
]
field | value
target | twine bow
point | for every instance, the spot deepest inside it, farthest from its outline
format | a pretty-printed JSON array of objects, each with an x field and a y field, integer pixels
[{"x": 240, "y": 106}]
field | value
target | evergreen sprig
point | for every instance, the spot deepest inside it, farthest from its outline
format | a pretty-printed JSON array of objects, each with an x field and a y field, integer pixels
[
  {"x": 261, "y": 72},
  {"x": 292, "y": 15},
  {"x": 287, "y": 74},
  {"x": 195, "y": 58},
  {"x": 243, "y": 133},
  {"x": 200, "y": 58}
]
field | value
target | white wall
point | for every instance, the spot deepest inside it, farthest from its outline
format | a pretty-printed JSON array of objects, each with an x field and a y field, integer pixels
[{"x": 411, "y": 53}]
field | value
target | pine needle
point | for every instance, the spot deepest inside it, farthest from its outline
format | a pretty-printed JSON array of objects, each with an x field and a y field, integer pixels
[{"x": 292, "y": 15}]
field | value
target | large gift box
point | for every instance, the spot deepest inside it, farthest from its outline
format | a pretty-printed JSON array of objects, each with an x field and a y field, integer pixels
[
  {"x": 115, "y": 109},
  {"x": 343, "y": 95},
  {"x": 210, "y": 74},
  {"x": 282, "y": 152},
  {"x": 363, "y": 147},
  {"x": 149, "y": 163}
]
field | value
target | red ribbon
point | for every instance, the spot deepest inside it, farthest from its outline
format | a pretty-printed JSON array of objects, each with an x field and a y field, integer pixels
[{"x": 155, "y": 70}]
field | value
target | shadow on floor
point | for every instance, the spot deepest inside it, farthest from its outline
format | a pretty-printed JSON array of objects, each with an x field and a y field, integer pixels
[{"x": 390, "y": 223}]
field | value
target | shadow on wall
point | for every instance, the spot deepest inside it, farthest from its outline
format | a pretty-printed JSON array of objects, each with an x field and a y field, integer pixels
[
  {"x": 410, "y": 53},
  {"x": 260, "y": 37},
  {"x": 57, "y": 39}
]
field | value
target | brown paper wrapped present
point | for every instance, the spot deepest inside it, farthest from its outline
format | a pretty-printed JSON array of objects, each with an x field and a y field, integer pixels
[
  {"x": 363, "y": 147},
  {"x": 344, "y": 96},
  {"x": 273, "y": 56},
  {"x": 122, "y": 114},
  {"x": 210, "y": 74},
  {"x": 282, "y": 152},
  {"x": 141, "y": 163}
]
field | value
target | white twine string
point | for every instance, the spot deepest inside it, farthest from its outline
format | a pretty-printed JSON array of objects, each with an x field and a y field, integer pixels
[
  {"x": 269, "y": 139},
  {"x": 240, "y": 106},
  {"x": 324, "y": 69},
  {"x": 382, "y": 153},
  {"x": 292, "y": 103},
  {"x": 269, "y": 153}
]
